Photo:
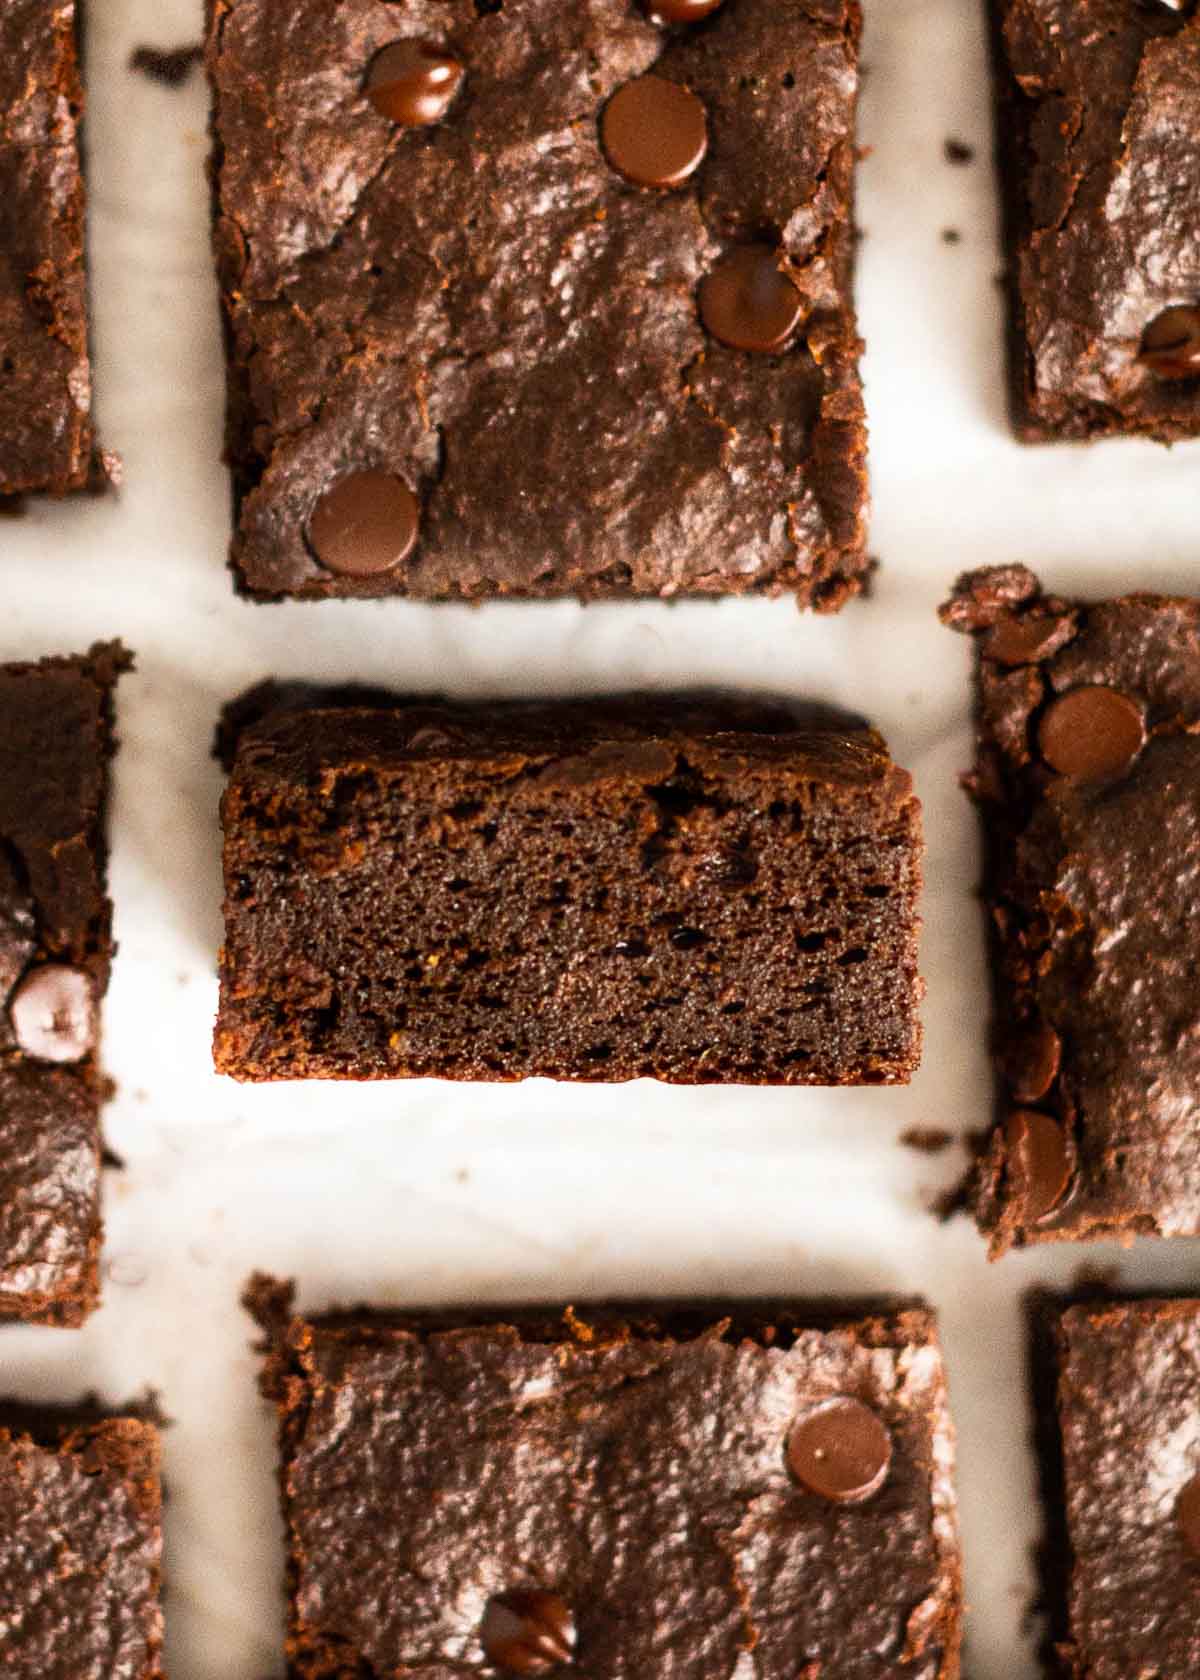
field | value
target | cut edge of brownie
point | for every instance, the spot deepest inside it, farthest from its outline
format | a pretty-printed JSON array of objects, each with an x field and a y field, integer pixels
[
  {"x": 880, "y": 1321},
  {"x": 103, "y": 665}
]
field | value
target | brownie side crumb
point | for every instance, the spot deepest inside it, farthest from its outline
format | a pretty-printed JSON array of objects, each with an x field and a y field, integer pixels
[
  {"x": 927, "y": 1140},
  {"x": 958, "y": 152},
  {"x": 170, "y": 66}
]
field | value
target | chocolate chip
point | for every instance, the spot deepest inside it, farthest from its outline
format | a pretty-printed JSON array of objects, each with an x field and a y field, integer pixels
[
  {"x": 1032, "y": 1061},
  {"x": 681, "y": 11},
  {"x": 528, "y": 1631},
  {"x": 365, "y": 524},
  {"x": 1188, "y": 1512},
  {"x": 1039, "y": 1162},
  {"x": 53, "y": 1014},
  {"x": 1024, "y": 641},
  {"x": 17, "y": 932},
  {"x": 413, "y": 83},
  {"x": 1171, "y": 343},
  {"x": 1092, "y": 732},
  {"x": 748, "y": 302},
  {"x": 654, "y": 132},
  {"x": 841, "y": 1451}
]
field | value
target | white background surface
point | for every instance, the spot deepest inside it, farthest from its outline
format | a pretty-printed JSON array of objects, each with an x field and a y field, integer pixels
[{"x": 426, "y": 1193}]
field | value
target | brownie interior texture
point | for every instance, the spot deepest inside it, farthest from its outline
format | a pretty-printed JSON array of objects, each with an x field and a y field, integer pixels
[{"x": 695, "y": 890}]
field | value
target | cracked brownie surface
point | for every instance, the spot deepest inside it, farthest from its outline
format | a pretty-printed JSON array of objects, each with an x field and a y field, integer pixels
[
  {"x": 626, "y": 1491},
  {"x": 1099, "y": 147},
  {"x": 1088, "y": 785},
  {"x": 484, "y": 311},
  {"x": 699, "y": 890},
  {"x": 45, "y": 375}
]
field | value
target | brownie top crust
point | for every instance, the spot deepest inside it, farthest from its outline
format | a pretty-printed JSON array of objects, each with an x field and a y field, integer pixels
[
  {"x": 1128, "y": 1376},
  {"x": 80, "y": 1552},
  {"x": 1088, "y": 778},
  {"x": 469, "y": 304},
  {"x": 1100, "y": 149},
  {"x": 645, "y": 1476}
]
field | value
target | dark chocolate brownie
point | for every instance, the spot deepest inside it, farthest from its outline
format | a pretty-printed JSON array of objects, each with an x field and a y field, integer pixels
[
  {"x": 696, "y": 889},
  {"x": 45, "y": 376},
  {"x": 472, "y": 354},
  {"x": 80, "y": 1549},
  {"x": 1088, "y": 785},
  {"x": 1116, "y": 1384},
  {"x": 55, "y": 947},
  {"x": 1099, "y": 157},
  {"x": 735, "y": 1489}
]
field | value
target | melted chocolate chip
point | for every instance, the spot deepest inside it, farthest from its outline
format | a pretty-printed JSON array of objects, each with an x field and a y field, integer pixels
[
  {"x": 1023, "y": 641},
  {"x": 1039, "y": 1162},
  {"x": 53, "y": 1014},
  {"x": 1188, "y": 1513},
  {"x": 654, "y": 132},
  {"x": 748, "y": 302},
  {"x": 1032, "y": 1062},
  {"x": 681, "y": 11},
  {"x": 365, "y": 524},
  {"x": 528, "y": 1631},
  {"x": 842, "y": 1451},
  {"x": 1171, "y": 344},
  {"x": 1092, "y": 732},
  {"x": 413, "y": 83},
  {"x": 17, "y": 931}
]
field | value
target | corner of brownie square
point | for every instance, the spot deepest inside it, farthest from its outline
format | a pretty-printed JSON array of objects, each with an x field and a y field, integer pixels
[
  {"x": 56, "y": 738},
  {"x": 540, "y": 300},
  {"x": 1118, "y": 1432},
  {"x": 701, "y": 1489},
  {"x": 1087, "y": 780},
  {"x": 1098, "y": 109},
  {"x": 697, "y": 889},
  {"x": 80, "y": 1545}
]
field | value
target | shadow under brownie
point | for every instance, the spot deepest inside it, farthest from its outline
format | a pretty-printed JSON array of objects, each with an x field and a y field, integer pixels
[
  {"x": 700, "y": 889},
  {"x": 472, "y": 354},
  {"x": 703, "y": 1489},
  {"x": 1087, "y": 782}
]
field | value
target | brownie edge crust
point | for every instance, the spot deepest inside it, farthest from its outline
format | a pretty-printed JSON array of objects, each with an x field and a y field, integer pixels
[
  {"x": 469, "y": 357},
  {"x": 627, "y": 1490},
  {"x": 697, "y": 889}
]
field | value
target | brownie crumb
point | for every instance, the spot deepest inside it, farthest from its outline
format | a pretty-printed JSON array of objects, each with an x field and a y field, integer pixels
[
  {"x": 951, "y": 236},
  {"x": 171, "y": 66},
  {"x": 927, "y": 1140},
  {"x": 958, "y": 152}
]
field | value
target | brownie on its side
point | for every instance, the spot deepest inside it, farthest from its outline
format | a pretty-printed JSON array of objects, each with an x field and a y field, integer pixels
[
  {"x": 696, "y": 889},
  {"x": 695, "y": 1490},
  {"x": 1088, "y": 786},
  {"x": 1099, "y": 157},
  {"x": 1116, "y": 1384},
  {"x": 45, "y": 376},
  {"x": 80, "y": 1548},
  {"x": 540, "y": 300},
  {"x": 55, "y": 947}
]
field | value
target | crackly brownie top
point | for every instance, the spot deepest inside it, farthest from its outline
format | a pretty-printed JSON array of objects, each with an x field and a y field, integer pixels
[
  {"x": 1129, "y": 1374},
  {"x": 647, "y": 1497},
  {"x": 1109, "y": 108},
  {"x": 452, "y": 282},
  {"x": 79, "y": 1554},
  {"x": 45, "y": 380},
  {"x": 1089, "y": 777}
]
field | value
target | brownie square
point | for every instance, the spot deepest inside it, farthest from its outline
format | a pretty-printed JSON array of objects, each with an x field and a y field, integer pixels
[
  {"x": 747, "y": 1488},
  {"x": 1116, "y": 1382},
  {"x": 1099, "y": 156},
  {"x": 55, "y": 948},
  {"x": 469, "y": 357},
  {"x": 45, "y": 376},
  {"x": 1088, "y": 786},
  {"x": 80, "y": 1548},
  {"x": 699, "y": 890}
]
